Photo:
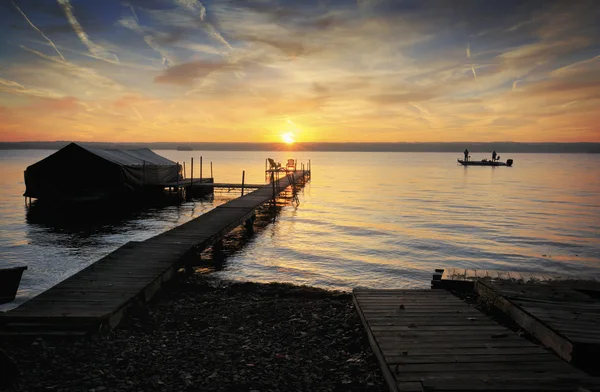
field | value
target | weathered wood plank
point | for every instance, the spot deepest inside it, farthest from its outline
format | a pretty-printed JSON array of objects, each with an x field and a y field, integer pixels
[
  {"x": 136, "y": 271},
  {"x": 413, "y": 343}
]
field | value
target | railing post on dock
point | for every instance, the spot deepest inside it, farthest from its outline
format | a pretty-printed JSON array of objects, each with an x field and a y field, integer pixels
[
  {"x": 192, "y": 173},
  {"x": 201, "y": 168},
  {"x": 273, "y": 183},
  {"x": 177, "y": 176},
  {"x": 184, "y": 176},
  {"x": 211, "y": 173},
  {"x": 243, "y": 178},
  {"x": 144, "y": 173}
]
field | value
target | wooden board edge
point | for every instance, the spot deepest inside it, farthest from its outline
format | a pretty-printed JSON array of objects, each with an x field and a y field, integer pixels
[
  {"x": 387, "y": 374},
  {"x": 550, "y": 338}
]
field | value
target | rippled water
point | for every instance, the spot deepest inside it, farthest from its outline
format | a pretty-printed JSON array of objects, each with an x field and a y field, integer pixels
[{"x": 364, "y": 219}]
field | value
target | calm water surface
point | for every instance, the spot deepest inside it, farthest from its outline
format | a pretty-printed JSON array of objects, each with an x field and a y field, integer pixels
[{"x": 365, "y": 219}]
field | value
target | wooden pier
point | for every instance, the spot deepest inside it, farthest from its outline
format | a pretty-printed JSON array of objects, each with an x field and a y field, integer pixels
[
  {"x": 465, "y": 279},
  {"x": 429, "y": 340},
  {"x": 565, "y": 319},
  {"x": 99, "y": 295}
]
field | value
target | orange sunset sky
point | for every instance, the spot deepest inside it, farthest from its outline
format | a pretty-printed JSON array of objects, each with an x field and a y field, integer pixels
[{"x": 309, "y": 71}]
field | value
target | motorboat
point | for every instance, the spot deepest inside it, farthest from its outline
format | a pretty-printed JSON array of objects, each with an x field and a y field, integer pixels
[{"x": 485, "y": 162}]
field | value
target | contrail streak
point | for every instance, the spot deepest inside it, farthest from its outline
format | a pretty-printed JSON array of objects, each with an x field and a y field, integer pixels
[
  {"x": 196, "y": 6},
  {"x": 132, "y": 24},
  {"x": 12, "y": 87},
  {"x": 95, "y": 49},
  {"x": 38, "y": 30}
]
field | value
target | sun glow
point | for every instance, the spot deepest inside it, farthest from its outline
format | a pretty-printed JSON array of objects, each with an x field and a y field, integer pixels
[{"x": 288, "y": 138}]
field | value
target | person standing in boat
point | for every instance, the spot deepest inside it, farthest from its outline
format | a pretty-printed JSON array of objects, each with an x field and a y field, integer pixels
[
  {"x": 494, "y": 155},
  {"x": 466, "y": 155}
]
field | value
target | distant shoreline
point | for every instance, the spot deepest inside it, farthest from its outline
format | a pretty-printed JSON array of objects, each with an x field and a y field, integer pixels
[{"x": 456, "y": 147}]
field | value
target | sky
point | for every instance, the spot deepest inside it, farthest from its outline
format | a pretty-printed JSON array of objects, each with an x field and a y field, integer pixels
[{"x": 305, "y": 71}]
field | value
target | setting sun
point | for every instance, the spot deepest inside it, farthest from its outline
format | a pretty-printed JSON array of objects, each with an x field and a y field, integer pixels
[{"x": 288, "y": 137}]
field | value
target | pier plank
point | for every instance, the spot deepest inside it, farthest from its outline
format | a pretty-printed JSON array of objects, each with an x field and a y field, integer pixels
[
  {"x": 563, "y": 319},
  {"x": 433, "y": 342},
  {"x": 99, "y": 294}
]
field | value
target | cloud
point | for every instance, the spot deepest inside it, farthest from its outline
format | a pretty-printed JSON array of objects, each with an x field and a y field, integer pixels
[
  {"x": 12, "y": 87},
  {"x": 398, "y": 98},
  {"x": 96, "y": 50},
  {"x": 198, "y": 8},
  {"x": 38, "y": 30},
  {"x": 185, "y": 74},
  {"x": 509, "y": 122},
  {"x": 132, "y": 24},
  {"x": 88, "y": 74}
]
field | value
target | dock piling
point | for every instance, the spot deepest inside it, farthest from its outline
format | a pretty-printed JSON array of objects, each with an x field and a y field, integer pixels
[
  {"x": 200, "y": 168},
  {"x": 192, "y": 173},
  {"x": 243, "y": 179},
  {"x": 211, "y": 172},
  {"x": 273, "y": 183}
]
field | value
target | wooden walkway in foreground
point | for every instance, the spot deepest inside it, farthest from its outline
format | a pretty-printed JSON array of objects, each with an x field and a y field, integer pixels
[
  {"x": 429, "y": 340},
  {"x": 562, "y": 318},
  {"x": 457, "y": 278},
  {"x": 100, "y": 294}
]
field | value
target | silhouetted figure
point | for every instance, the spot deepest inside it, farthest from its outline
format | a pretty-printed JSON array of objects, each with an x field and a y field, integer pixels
[
  {"x": 494, "y": 155},
  {"x": 466, "y": 155}
]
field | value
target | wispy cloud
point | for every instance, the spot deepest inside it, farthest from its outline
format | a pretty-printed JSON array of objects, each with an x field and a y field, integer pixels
[
  {"x": 185, "y": 74},
  {"x": 98, "y": 51},
  {"x": 132, "y": 23},
  {"x": 198, "y": 9},
  {"x": 88, "y": 74},
  {"x": 12, "y": 87},
  {"x": 38, "y": 30}
]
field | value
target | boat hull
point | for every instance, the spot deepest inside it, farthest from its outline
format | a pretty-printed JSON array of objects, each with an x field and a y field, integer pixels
[
  {"x": 483, "y": 163},
  {"x": 9, "y": 283}
]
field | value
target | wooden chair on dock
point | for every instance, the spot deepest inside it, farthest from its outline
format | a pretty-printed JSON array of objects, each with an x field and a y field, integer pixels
[
  {"x": 274, "y": 166},
  {"x": 291, "y": 165}
]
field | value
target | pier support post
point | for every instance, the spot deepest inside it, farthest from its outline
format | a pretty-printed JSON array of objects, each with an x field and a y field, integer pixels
[
  {"x": 249, "y": 224},
  {"x": 192, "y": 174},
  {"x": 273, "y": 183},
  {"x": 243, "y": 179},
  {"x": 200, "y": 168},
  {"x": 211, "y": 173}
]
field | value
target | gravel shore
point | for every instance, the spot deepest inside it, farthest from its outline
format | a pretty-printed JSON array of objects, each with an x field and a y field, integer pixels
[{"x": 206, "y": 335}]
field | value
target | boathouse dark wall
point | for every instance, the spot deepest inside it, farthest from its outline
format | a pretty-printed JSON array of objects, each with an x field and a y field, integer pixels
[{"x": 78, "y": 173}]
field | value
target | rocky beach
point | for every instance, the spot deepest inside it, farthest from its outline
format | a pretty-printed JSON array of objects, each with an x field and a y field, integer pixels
[{"x": 209, "y": 335}]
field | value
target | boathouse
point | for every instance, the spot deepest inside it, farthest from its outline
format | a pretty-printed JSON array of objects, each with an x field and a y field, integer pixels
[{"x": 79, "y": 173}]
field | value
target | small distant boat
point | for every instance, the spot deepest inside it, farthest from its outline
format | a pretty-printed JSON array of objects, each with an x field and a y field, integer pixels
[
  {"x": 9, "y": 283},
  {"x": 485, "y": 162}
]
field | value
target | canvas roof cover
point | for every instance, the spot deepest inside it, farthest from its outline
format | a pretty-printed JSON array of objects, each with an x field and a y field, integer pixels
[
  {"x": 78, "y": 172},
  {"x": 130, "y": 157}
]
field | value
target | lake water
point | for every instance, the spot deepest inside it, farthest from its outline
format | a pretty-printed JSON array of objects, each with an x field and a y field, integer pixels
[{"x": 381, "y": 220}]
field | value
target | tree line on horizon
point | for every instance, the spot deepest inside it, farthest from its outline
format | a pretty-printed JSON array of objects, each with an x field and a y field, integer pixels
[{"x": 458, "y": 147}]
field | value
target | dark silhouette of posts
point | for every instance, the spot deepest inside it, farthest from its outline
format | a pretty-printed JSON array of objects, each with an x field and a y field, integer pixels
[
  {"x": 192, "y": 173},
  {"x": 273, "y": 183},
  {"x": 200, "y": 169},
  {"x": 243, "y": 179}
]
